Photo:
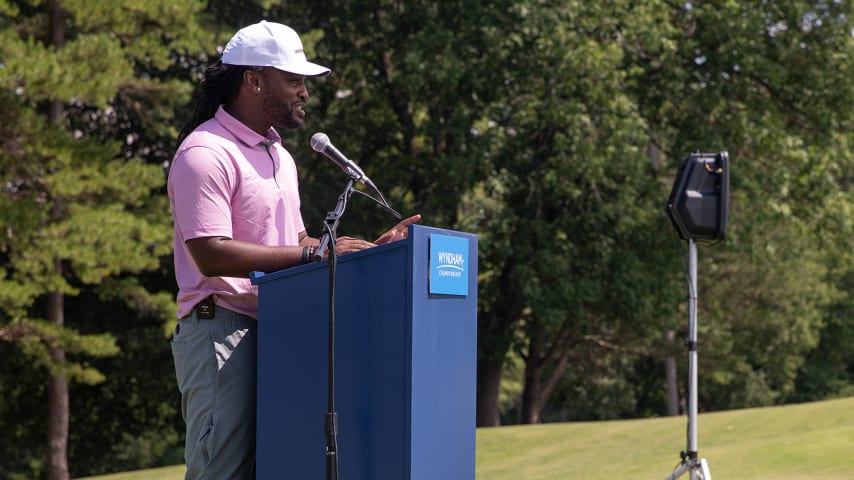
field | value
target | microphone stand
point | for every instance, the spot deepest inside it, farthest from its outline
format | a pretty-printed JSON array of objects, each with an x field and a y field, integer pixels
[{"x": 327, "y": 242}]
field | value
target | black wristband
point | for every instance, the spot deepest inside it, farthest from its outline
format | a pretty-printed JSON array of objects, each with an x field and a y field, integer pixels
[{"x": 308, "y": 252}]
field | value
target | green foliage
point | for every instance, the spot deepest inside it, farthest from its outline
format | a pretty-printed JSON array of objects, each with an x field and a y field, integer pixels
[
  {"x": 581, "y": 197},
  {"x": 757, "y": 332},
  {"x": 22, "y": 415},
  {"x": 88, "y": 103},
  {"x": 132, "y": 419},
  {"x": 40, "y": 335},
  {"x": 553, "y": 130},
  {"x": 550, "y": 129},
  {"x": 59, "y": 74}
]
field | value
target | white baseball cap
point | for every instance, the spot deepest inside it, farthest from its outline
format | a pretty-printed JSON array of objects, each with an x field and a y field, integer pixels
[{"x": 269, "y": 44}]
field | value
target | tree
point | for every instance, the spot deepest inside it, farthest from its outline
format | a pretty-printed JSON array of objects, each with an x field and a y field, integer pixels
[
  {"x": 579, "y": 198},
  {"x": 669, "y": 77},
  {"x": 77, "y": 213},
  {"x": 808, "y": 165},
  {"x": 411, "y": 83},
  {"x": 769, "y": 84},
  {"x": 552, "y": 130}
]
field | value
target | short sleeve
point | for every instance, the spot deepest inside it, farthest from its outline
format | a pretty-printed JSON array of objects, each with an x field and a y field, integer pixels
[{"x": 201, "y": 185}]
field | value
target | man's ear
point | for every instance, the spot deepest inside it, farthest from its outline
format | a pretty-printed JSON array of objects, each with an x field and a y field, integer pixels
[{"x": 253, "y": 79}]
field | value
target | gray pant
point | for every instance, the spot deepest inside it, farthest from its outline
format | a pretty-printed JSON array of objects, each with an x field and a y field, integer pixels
[{"x": 216, "y": 365}]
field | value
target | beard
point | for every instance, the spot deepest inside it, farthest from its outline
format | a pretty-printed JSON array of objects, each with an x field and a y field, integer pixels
[{"x": 282, "y": 114}]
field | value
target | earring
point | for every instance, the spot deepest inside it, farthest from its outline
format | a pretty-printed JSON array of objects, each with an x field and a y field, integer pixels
[{"x": 257, "y": 89}]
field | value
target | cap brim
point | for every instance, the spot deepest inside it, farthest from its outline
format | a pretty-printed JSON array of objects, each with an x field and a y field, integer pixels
[{"x": 306, "y": 69}]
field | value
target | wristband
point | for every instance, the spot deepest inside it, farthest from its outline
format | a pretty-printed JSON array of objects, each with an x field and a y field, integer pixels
[{"x": 308, "y": 252}]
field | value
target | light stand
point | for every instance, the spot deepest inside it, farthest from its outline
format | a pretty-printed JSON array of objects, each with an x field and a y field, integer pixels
[
  {"x": 698, "y": 468},
  {"x": 327, "y": 243},
  {"x": 697, "y": 208}
]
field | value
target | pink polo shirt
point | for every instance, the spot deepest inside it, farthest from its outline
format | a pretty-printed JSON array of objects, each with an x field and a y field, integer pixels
[{"x": 223, "y": 182}]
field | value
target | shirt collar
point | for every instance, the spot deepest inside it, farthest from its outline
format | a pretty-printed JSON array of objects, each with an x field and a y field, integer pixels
[{"x": 243, "y": 133}]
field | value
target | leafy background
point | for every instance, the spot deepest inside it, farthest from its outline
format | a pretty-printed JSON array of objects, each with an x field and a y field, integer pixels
[{"x": 552, "y": 129}]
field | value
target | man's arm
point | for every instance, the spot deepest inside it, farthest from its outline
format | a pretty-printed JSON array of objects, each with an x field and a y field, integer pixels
[{"x": 224, "y": 257}]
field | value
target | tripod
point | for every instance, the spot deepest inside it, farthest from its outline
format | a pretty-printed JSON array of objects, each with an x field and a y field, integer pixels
[{"x": 697, "y": 467}]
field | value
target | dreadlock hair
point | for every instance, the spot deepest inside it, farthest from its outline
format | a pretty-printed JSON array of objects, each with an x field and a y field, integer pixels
[{"x": 220, "y": 85}]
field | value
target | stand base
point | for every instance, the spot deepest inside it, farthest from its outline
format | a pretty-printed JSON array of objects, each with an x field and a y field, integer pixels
[{"x": 699, "y": 469}]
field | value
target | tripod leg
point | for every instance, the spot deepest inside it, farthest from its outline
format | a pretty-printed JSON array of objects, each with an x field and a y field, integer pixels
[
  {"x": 704, "y": 469},
  {"x": 683, "y": 467},
  {"x": 696, "y": 469}
]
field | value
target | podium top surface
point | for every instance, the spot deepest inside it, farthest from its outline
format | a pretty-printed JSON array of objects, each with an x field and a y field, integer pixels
[{"x": 416, "y": 233}]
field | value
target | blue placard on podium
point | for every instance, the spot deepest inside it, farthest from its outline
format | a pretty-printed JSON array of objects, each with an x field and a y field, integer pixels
[
  {"x": 448, "y": 263},
  {"x": 405, "y": 365}
]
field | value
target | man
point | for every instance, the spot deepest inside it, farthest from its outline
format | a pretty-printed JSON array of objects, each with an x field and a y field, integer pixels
[{"x": 235, "y": 201}]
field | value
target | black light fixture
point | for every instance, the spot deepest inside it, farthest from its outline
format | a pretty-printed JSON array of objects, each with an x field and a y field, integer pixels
[{"x": 697, "y": 206}]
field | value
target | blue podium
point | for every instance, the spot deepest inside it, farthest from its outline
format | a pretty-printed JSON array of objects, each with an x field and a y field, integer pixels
[{"x": 405, "y": 362}]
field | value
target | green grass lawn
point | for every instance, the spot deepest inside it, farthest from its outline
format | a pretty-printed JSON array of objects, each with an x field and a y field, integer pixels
[{"x": 805, "y": 442}]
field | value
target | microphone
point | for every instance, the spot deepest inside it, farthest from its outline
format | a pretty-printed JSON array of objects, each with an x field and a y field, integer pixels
[{"x": 320, "y": 143}]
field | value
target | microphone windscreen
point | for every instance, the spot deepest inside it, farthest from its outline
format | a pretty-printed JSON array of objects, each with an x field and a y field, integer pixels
[{"x": 319, "y": 141}]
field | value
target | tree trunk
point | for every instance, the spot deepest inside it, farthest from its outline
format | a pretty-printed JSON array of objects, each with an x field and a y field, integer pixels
[
  {"x": 670, "y": 374},
  {"x": 538, "y": 390},
  {"x": 59, "y": 407},
  {"x": 532, "y": 402},
  {"x": 550, "y": 384},
  {"x": 494, "y": 337},
  {"x": 488, "y": 386},
  {"x": 58, "y": 398}
]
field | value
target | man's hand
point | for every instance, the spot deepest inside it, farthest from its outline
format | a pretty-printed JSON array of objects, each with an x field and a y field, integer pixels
[
  {"x": 345, "y": 245},
  {"x": 398, "y": 232}
]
